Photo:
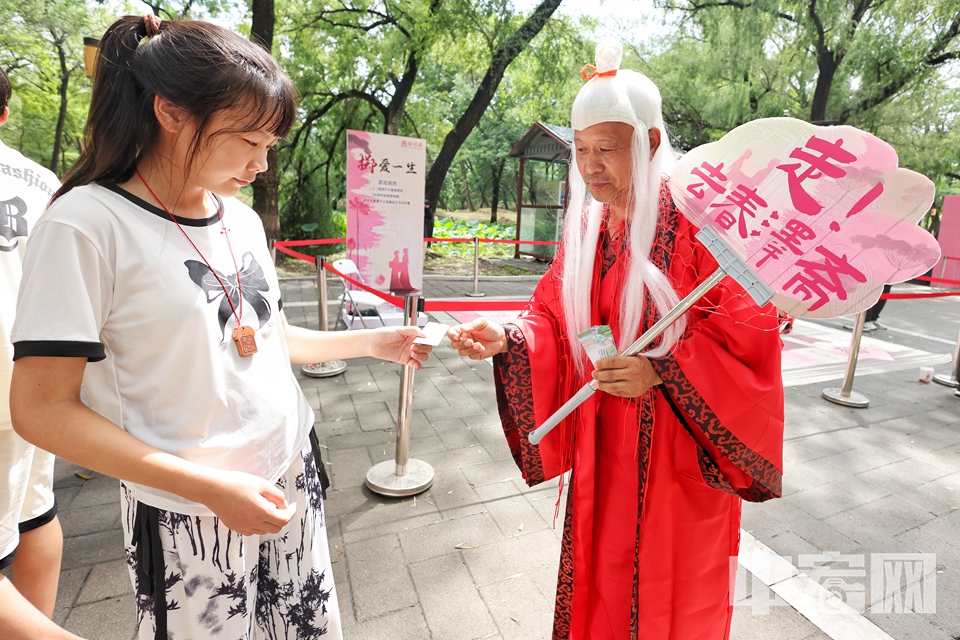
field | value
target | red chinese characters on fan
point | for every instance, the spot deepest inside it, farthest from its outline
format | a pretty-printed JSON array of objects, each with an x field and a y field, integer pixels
[{"x": 822, "y": 214}]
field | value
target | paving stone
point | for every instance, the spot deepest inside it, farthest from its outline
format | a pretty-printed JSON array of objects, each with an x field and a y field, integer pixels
[
  {"x": 460, "y": 409},
  {"x": 65, "y": 474},
  {"x": 381, "y": 519},
  {"x": 492, "y": 472},
  {"x": 111, "y": 619},
  {"x": 97, "y": 491},
  {"x": 92, "y": 549},
  {"x": 887, "y": 517},
  {"x": 443, "y": 460},
  {"x": 446, "y": 536},
  {"x": 83, "y": 521},
  {"x": 825, "y": 500},
  {"x": 519, "y": 610},
  {"x": 408, "y": 624},
  {"x": 375, "y": 417},
  {"x": 451, "y": 602},
  {"x": 68, "y": 588},
  {"x": 513, "y": 555},
  {"x": 107, "y": 580},
  {"x": 338, "y": 407},
  {"x": 510, "y": 509},
  {"x": 904, "y": 476},
  {"x": 454, "y": 496},
  {"x": 378, "y": 577},
  {"x": 65, "y": 496},
  {"x": 767, "y": 616},
  {"x": 348, "y": 467}
]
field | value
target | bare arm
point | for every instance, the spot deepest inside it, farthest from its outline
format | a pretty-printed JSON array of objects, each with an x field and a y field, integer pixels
[
  {"x": 387, "y": 343},
  {"x": 19, "y": 620},
  {"x": 47, "y": 411}
]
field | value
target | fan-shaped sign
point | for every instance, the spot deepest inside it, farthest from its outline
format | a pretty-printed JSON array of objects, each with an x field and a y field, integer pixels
[{"x": 823, "y": 215}]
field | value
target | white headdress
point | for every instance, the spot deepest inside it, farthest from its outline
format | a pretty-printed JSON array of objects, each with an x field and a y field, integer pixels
[{"x": 612, "y": 94}]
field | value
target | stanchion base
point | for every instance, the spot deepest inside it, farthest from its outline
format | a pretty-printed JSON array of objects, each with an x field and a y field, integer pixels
[
  {"x": 855, "y": 400},
  {"x": 324, "y": 369},
  {"x": 945, "y": 380},
  {"x": 382, "y": 478},
  {"x": 475, "y": 294}
]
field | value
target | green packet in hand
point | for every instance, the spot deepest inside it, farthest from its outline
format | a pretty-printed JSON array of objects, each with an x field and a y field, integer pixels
[{"x": 598, "y": 341}]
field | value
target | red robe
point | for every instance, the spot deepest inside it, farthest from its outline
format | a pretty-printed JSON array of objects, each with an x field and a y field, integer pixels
[{"x": 653, "y": 512}]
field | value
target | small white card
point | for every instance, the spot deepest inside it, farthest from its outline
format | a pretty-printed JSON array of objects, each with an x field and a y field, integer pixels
[{"x": 435, "y": 333}]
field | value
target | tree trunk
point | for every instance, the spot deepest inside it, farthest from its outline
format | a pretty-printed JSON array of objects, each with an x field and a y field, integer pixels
[
  {"x": 62, "y": 116},
  {"x": 266, "y": 188},
  {"x": 466, "y": 187},
  {"x": 827, "y": 67},
  {"x": 505, "y": 54},
  {"x": 495, "y": 200},
  {"x": 391, "y": 124}
]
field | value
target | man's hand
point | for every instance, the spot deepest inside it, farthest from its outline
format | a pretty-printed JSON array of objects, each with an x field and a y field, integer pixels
[
  {"x": 246, "y": 503},
  {"x": 478, "y": 339},
  {"x": 625, "y": 376},
  {"x": 396, "y": 344}
]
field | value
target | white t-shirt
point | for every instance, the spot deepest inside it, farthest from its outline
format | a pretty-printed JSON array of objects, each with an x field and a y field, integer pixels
[
  {"x": 111, "y": 278},
  {"x": 25, "y": 189}
]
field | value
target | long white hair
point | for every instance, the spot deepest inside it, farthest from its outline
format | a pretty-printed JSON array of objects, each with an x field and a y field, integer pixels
[{"x": 581, "y": 234}]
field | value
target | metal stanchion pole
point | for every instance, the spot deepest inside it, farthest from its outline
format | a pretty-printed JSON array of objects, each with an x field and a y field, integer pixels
[
  {"x": 335, "y": 367},
  {"x": 847, "y": 396},
  {"x": 402, "y": 476},
  {"x": 952, "y": 379},
  {"x": 476, "y": 293}
]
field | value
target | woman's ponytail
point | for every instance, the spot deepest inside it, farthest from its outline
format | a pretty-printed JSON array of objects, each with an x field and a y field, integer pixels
[
  {"x": 197, "y": 66},
  {"x": 121, "y": 122}
]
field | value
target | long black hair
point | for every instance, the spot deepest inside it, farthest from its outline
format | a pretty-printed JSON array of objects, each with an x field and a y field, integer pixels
[{"x": 196, "y": 66}]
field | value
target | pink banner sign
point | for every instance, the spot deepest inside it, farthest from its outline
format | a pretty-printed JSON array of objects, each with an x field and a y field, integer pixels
[
  {"x": 385, "y": 184},
  {"x": 823, "y": 215}
]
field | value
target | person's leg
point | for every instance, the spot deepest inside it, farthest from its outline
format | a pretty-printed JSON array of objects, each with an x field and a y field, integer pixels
[
  {"x": 296, "y": 597},
  {"x": 36, "y": 568},
  {"x": 205, "y": 574}
]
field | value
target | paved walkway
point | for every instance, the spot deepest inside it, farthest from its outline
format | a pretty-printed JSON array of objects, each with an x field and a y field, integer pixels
[{"x": 476, "y": 555}]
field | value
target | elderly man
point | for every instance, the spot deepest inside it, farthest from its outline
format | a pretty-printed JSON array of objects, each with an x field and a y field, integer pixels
[{"x": 661, "y": 460}]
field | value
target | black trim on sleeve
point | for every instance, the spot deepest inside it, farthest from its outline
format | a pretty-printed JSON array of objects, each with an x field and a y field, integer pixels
[
  {"x": 8, "y": 560},
  {"x": 157, "y": 211},
  {"x": 92, "y": 351},
  {"x": 39, "y": 521},
  {"x": 280, "y": 304}
]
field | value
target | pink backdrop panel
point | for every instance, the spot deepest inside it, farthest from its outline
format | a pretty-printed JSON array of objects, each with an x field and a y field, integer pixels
[{"x": 385, "y": 185}]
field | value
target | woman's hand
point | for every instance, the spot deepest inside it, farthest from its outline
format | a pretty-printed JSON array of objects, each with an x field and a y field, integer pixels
[
  {"x": 396, "y": 344},
  {"x": 625, "y": 376},
  {"x": 478, "y": 339},
  {"x": 246, "y": 503}
]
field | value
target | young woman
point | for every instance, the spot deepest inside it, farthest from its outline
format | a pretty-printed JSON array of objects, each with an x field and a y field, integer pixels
[{"x": 150, "y": 284}]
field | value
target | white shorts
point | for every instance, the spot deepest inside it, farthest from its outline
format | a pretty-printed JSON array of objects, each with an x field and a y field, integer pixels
[{"x": 26, "y": 491}]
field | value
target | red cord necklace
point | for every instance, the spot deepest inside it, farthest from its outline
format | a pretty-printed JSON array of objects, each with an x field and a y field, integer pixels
[{"x": 244, "y": 336}]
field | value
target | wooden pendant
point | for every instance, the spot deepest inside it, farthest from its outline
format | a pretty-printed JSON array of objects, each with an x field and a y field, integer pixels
[{"x": 245, "y": 337}]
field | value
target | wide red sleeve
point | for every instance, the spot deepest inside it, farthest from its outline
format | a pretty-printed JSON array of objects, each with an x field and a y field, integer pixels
[
  {"x": 723, "y": 378},
  {"x": 533, "y": 379}
]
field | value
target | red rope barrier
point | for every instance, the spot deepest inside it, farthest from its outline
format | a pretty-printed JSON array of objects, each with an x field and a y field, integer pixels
[
  {"x": 498, "y": 241},
  {"x": 304, "y": 243},
  {"x": 386, "y": 297},
  {"x": 440, "y": 304},
  {"x": 294, "y": 254},
  {"x": 932, "y": 294},
  {"x": 930, "y": 279}
]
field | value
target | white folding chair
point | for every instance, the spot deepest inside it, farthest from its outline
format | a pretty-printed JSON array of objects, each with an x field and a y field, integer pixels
[{"x": 358, "y": 299}]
